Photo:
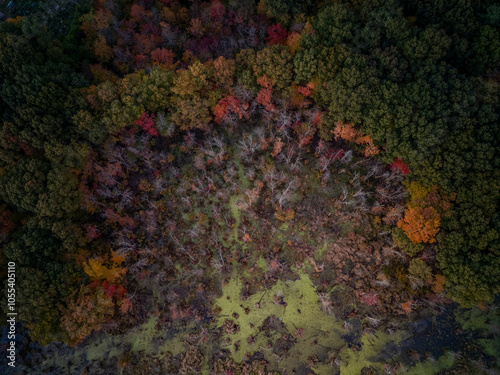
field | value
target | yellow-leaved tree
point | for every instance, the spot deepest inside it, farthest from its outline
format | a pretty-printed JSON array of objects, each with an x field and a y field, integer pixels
[{"x": 97, "y": 268}]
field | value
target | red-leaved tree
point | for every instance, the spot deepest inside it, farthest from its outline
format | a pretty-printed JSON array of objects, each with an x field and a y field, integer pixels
[
  {"x": 276, "y": 34},
  {"x": 400, "y": 165},
  {"x": 147, "y": 123}
]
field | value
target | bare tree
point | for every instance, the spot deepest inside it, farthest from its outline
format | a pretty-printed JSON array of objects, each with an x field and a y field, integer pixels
[
  {"x": 287, "y": 194},
  {"x": 347, "y": 157},
  {"x": 247, "y": 147}
]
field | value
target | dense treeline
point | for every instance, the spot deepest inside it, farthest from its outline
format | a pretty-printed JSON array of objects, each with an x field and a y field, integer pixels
[
  {"x": 39, "y": 96},
  {"x": 426, "y": 89},
  {"x": 92, "y": 138}
]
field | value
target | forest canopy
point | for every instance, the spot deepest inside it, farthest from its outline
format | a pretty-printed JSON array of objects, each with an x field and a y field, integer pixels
[{"x": 152, "y": 152}]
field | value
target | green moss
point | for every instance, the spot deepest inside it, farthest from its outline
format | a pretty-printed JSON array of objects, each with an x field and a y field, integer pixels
[
  {"x": 236, "y": 213},
  {"x": 371, "y": 346},
  {"x": 320, "y": 251},
  {"x": 175, "y": 346},
  {"x": 302, "y": 311},
  {"x": 319, "y": 332},
  {"x": 140, "y": 338},
  {"x": 262, "y": 264},
  {"x": 282, "y": 232},
  {"x": 432, "y": 367}
]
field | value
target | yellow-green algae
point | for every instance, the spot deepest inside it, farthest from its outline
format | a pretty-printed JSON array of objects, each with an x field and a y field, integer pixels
[
  {"x": 317, "y": 333},
  {"x": 140, "y": 338},
  {"x": 302, "y": 312},
  {"x": 431, "y": 366},
  {"x": 262, "y": 264},
  {"x": 352, "y": 362}
]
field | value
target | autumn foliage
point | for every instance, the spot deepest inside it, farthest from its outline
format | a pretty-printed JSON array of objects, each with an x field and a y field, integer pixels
[
  {"x": 265, "y": 94},
  {"x": 407, "y": 306},
  {"x": 162, "y": 56},
  {"x": 438, "y": 284},
  {"x": 345, "y": 131},
  {"x": 147, "y": 123},
  {"x": 349, "y": 133},
  {"x": 277, "y": 34},
  {"x": 422, "y": 218},
  {"x": 284, "y": 215},
  {"x": 229, "y": 104},
  {"x": 420, "y": 224},
  {"x": 151, "y": 143},
  {"x": 401, "y": 166},
  {"x": 111, "y": 271},
  {"x": 92, "y": 307}
]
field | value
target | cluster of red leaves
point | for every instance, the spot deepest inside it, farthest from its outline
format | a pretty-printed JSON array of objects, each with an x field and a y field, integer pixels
[
  {"x": 114, "y": 217},
  {"x": 305, "y": 139},
  {"x": 265, "y": 82},
  {"x": 229, "y": 104},
  {"x": 112, "y": 289},
  {"x": 278, "y": 145},
  {"x": 147, "y": 123},
  {"x": 300, "y": 93},
  {"x": 304, "y": 91},
  {"x": 317, "y": 119},
  {"x": 91, "y": 232},
  {"x": 277, "y": 34},
  {"x": 369, "y": 298},
  {"x": 162, "y": 56},
  {"x": 217, "y": 10},
  {"x": 400, "y": 165},
  {"x": 265, "y": 94},
  {"x": 334, "y": 153},
  {"x": 28, "y": 150},
  {"x": 264, "y": 97}
]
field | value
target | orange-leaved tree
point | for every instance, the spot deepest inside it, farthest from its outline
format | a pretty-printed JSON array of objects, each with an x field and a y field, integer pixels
[
  {"x": 423, "y": 216},
  {"x": 349, "y": 133},
  {"x": 420, "y": 224},
  {"x": 265, "y": 94},
  {"x": 89, "y": 309}
]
